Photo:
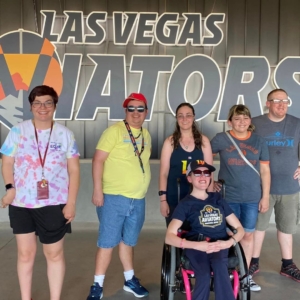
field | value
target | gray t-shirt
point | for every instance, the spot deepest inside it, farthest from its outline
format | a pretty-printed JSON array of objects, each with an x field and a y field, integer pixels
[
  {"x": 242, "y": 183},
  {"x": 283, "y": 140}
]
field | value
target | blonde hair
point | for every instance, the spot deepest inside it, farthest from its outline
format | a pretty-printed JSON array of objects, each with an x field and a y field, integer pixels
[{"x": 240, "y": 109}]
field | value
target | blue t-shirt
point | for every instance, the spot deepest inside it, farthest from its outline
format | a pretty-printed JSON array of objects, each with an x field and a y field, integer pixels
[
  {"x": 242, "y": 183},
  {"x": 207, "y": 217},
  {"x": 179, "y": 161}
]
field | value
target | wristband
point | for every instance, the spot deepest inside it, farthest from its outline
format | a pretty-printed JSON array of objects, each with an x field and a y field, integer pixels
[
  {"x": 160, "y": 193},
  {"x": 9, "y": 186}
]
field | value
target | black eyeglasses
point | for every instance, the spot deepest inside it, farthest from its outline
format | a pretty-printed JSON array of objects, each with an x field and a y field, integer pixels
[
  {"x": 139, "y": 109},
  {"x": 205, "y": 173},
  {"x": 277, "y": 101},
  {"x": 39, "y": 104}
]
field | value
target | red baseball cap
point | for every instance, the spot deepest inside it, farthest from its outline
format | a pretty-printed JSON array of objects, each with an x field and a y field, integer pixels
[{"x": 135, "y": 96}]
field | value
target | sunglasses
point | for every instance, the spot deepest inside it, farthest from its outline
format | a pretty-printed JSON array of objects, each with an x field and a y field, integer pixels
[
  {"x": 139, "y": 109},
  {"x": 205, "y": 173}
]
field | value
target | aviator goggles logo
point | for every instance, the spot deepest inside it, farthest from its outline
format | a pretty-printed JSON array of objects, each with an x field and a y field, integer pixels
[{"x": 26, "y": 60}]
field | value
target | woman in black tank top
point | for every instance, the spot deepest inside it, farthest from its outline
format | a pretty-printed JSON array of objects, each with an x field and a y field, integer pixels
[{"x": 183, "y": 146}]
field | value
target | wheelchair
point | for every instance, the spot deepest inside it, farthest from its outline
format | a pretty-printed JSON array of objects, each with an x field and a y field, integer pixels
[{"x": 176, "y": 274}]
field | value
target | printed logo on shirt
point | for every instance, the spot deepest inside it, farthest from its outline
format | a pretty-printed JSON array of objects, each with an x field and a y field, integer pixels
[
  {"x": 210, "y": 216},
  {"x": 55, "y": 146},
  {"x": 138, "y": 140},
  {"x": 279, "y": 140}
]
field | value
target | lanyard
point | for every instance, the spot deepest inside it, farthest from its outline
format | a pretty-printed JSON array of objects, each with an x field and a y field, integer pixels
[
  {"x": 136, "y": 150},
  {"x": 45, "y": 154}
]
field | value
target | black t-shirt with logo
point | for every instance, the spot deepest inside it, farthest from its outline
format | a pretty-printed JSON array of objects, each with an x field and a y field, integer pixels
[{"x": 207, "y": 217}]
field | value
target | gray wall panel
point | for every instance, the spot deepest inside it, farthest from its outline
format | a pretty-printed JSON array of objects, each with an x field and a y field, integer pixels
[
  {"x": 53, "y": 5},
  {"x": 73, "y": 4},
  {"x": 116, "y": 5},
  {"x": 252, "y": 27},
  {"x": 256, "y": 27},
  {"x": 92, "y": 5},
  {"x": 93, "y": 130},
  {"x": 269, "y": 41},
  {"x": 236, "y": 27},
  {"x": 177, "y": 6},
  {"x": 10, "y": 15},
  {"x": 209, "y": 127},
  {"x": 3, "y": 133},
  {"x": 78, "y": 129},
  {"x": 28, "y": 16},
  {"x": 288, "y": 33}
]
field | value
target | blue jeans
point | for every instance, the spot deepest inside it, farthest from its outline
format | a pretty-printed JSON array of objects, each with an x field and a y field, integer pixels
[
  {"x": 247, "y": 213},
  {"x": 121, "y": 219}
]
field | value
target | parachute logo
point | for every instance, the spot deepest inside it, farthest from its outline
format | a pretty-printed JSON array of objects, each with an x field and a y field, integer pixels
[{"x": 26, "y": 60}]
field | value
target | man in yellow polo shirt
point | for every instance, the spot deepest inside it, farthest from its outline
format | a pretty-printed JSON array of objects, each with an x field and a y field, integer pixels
[{"x": 121, "y": 176}]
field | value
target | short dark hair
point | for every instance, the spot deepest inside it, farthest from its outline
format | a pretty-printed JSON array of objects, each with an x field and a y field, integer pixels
[
  {"x": 42, "y": 90},
  {"x": 276, "y": 90}
]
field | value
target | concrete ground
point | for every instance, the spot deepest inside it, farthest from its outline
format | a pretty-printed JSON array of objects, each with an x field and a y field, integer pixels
[{"x": 80, "y": 248}]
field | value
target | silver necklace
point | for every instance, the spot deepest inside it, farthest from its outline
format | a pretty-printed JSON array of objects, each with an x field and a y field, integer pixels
[{"x": 185, "y": 146}]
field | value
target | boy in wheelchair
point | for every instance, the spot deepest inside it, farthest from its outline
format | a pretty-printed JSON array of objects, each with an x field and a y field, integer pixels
[{"x": 206, "y": 244}]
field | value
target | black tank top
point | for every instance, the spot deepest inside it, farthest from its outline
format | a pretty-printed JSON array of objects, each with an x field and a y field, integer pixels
[{"x": 177, "y": 181}]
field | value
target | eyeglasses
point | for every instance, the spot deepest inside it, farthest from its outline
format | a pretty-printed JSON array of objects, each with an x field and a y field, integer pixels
[
  {"x": 139, "y": 109},
  {"x": 38, "y": 104},
  {"x": 277, "y": 101},
  {"x": 181, "y": 117},
  {"x": 205, "y": 173}
]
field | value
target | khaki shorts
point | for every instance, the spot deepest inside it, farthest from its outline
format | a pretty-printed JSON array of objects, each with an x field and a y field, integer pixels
[{"x": 286, "y": 209}]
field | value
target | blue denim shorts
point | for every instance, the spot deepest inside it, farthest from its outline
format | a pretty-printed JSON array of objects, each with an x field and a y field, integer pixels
[
  {"x": 247, "y": 213},
  {"x": 121, "y": 219}
]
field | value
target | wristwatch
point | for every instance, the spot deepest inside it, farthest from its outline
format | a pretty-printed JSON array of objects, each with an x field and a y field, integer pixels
[
  {"x": 160, "y": 193},
  {"x": 9, "y": 186}
]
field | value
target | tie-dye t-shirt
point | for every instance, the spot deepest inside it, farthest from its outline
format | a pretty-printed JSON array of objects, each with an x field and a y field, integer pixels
[{"x": 21, "y": 144}]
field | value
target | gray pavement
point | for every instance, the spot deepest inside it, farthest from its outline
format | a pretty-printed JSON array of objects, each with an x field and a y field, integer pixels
[{"x": 80, "y": 249}]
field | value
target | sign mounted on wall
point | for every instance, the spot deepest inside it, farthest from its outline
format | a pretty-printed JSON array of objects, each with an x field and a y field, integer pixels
[{"x": 28, "y": 59}]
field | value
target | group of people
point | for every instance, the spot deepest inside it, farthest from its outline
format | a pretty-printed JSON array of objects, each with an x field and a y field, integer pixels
[
  {"x": 259, "y": 168},
  {"x": 258, "y": 165}
]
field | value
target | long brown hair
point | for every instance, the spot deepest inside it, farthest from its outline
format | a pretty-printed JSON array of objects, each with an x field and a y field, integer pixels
[{"x": 195, "y": 130}]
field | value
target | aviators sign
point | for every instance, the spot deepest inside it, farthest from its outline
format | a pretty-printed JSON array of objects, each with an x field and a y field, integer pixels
[{"x": 28, "y": 59}]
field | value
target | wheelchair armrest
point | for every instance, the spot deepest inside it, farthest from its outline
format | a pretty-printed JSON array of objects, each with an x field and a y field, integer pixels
[{"x": 231, "y": 228}]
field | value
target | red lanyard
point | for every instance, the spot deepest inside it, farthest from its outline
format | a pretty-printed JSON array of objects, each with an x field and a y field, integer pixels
[{"x": 45, "y": 154}]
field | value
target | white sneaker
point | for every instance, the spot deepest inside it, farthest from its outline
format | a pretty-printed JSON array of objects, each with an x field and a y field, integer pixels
[{"x": 253, "y": 286}]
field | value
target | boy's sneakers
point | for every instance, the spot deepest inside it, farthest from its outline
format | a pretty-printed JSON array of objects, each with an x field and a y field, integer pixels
[
  {"x": 133, "y": 286},
  {"x": 253, "y": 269},
  {"x": 291, "y": 271},
  {"x": 96, "y": 292},
  {"x": 253, "y": 286}
]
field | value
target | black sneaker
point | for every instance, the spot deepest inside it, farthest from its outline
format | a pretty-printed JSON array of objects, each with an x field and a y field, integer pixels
[
  {"x": 133, "y": 286},
  {"x": 96, "y": 292},
  {"x": 253, "y": 269},
  {"x": 291, "y": 271}
]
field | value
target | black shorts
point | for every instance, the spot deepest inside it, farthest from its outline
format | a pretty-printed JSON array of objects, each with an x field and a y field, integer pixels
[{"x": 48, "y": 222}]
